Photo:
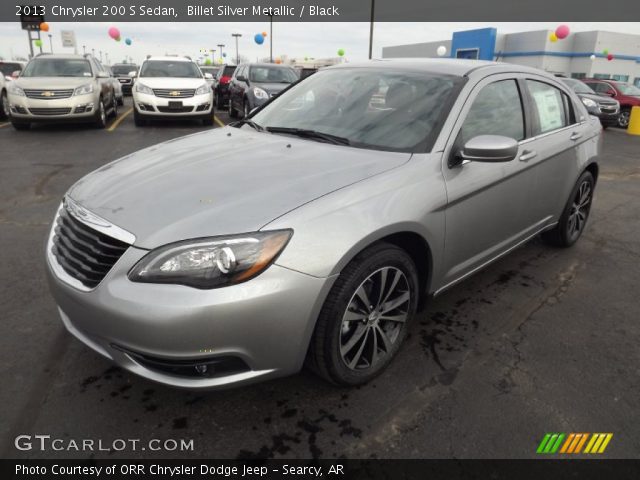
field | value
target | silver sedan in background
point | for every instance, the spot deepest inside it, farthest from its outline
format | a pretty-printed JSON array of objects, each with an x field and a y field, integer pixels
[{"x": 309, "y": 232}]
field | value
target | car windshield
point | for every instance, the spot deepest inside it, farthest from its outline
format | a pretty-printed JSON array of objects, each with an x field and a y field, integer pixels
[
  {"x": 272, "y": 75},
  {"x": 369, "y": 108},
  {"x": 9, "y": 68},
  {"x": 58, "y": 67},
  {"x": 211, "y": 70},
  {"x": 170, "y": 68},
  {"x": 123, "y": 69},
  {"x": 627, "y": 89},
  {"x": 578, "y": 86}
]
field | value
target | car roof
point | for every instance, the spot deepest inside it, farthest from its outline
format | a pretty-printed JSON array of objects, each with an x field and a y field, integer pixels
[
  {"x": 446, "y": 66},
  {"x": 61, "y": 55},
  {"x": 169, "y": 58},
  {"x": 265, "y": 64}
]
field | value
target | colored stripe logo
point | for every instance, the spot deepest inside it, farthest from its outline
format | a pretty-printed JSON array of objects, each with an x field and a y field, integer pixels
[{"x": 573, "y": 443}]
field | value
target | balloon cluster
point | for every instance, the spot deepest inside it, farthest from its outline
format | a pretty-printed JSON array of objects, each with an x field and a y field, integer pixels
[
  {"x": 114, "y": 33},
  {"x": 259, "y": 38},
  {"x": 560, "y": 33}
]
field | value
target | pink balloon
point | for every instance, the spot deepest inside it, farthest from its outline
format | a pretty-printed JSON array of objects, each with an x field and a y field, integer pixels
[
  {"x": 114, "y": 32},
  {"x": 562, "y": 31}
]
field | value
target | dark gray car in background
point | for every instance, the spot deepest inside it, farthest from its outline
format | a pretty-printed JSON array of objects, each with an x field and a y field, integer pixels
[
  {"x": 253, "y": 84},
  {"x": 606, "y": 109},
  {"x": 309, "y": 232}
]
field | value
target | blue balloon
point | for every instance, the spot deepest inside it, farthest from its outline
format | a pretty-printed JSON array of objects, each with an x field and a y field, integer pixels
[
  {"x": 259, "y": 38},
  {"x": 224, "y": 54},
  {"x": 128, "y": 41}
]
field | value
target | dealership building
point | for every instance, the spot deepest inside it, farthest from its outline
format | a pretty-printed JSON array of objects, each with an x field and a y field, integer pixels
[{"x": 570, "y": 56}]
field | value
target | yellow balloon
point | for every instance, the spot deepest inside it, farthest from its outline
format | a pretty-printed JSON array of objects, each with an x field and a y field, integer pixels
[{"x": 553, "y": 37}]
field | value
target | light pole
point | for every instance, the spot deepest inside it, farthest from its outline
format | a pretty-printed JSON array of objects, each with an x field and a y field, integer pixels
[
  {"x": 50, "y": 42},
  {"x": 271, "y": 38},
  {"x": 93, "y": 52},
  {"x": 100, "y": 56},
  {"x": 373, "y": 7},
  {"x": 237, "y": 35},
  {"x": 221, "y": 45},
  {"x": 84, "y": 49}
]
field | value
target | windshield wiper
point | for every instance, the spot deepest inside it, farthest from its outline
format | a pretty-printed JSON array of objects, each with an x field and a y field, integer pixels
[
  {"x": 313, "y": 134},
  {"x": 246, "y": 121}
]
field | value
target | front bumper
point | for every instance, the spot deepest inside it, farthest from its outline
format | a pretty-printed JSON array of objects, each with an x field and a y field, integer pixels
[
  {"x": 198, "y": 105},
  {"x": 81, "y": 107},
  {"x": 608, "y": 117},
  {"x": 265, "y": 323}
]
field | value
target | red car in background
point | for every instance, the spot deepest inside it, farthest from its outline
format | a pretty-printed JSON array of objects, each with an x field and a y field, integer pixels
[{"x": 628, "y": 95}]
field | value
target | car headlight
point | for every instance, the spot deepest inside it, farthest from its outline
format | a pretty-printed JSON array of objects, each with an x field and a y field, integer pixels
[
  {"x": 84, "y": 89},
  {"x": 211, "y": 262},
  {"x": 260, "y": 93},
  {"x": 142, "y": 88},
  {"x": 16, "y": 90},
  {"x": 589, "y": 103},
  {"x": 202, "y": 89}
]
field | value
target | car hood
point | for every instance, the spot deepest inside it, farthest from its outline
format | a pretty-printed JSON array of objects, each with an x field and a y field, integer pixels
[
  {"x": 219, "y": 182},
  {"x": 53, "y": 83},
  {"x": 270, "y": 87},
  {"x": 170, "y": 82}
]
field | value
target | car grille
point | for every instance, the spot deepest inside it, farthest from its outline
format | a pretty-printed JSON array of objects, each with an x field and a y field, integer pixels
[
  {"x": 84, "y": 253},
  {"x": 48, "y": 94},
  {"x": 124, "y": 80},
  {"x": 175, "y": 110},
  {"x": 50, "y": 111},
  {"x": 174, "y": 93},
  {"x": 608, "y": 108}
]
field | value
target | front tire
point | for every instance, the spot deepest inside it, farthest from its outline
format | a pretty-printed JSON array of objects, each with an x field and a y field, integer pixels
[
  {"x": 5, "y": 111},
  {"x": 365, "y": 317},
  {"x": 575, "y": 214},
  {"x": 101, "y": 116},
  {"x": 232, "y": 111},
  {"x": 623, "y": 118},
  {"x": 21, "y": 125},
  {"x": 138, "y": 119}
]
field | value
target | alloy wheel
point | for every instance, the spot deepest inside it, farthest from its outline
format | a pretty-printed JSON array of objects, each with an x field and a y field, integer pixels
[
  {"x": 374, "y": 318},
  {"x": 579, "y": 209},
  {"x": 623, "y": 119},
  {"x": 103, "y": 115}
]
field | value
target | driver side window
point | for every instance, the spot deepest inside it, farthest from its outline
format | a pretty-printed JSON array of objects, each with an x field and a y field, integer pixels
[{"x": 497, "y": 110}]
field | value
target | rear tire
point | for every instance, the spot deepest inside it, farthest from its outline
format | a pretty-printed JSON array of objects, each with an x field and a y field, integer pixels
[
  {"x": 623, "y": 118},
  {"x": 219, "y": 102},
  {"x": 232, "y": 111},
  {"x": 114, "y": 108},
  {"x": 575, "y": 214},
  {"x": 354, "y": 342},
  {"x": 138, "y": 119}
]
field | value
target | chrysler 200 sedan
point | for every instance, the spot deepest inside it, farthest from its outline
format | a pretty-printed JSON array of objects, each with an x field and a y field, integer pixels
[{"x": 308, "y": 232}]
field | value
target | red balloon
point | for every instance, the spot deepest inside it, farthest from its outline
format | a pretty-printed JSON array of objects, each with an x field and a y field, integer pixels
[
  {"x": 562, "y": 31},
  {"x": 610, "y": 57}
]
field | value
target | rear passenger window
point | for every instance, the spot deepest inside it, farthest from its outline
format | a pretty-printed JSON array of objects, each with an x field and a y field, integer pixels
[
  {"x": 497, "y": 110},
  {"x": 549, "y": 106}
]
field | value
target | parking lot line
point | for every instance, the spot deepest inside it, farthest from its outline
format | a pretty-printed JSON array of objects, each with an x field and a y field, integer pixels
[
  {"x": 5, "y": 124},
  {"x": 117, "y": 121},
  {"x": 218, "y": 121}
]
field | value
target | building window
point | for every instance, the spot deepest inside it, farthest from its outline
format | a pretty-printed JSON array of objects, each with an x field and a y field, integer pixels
[
  {"x": 602, "y": 76},
  {"x": 620, "y": 78},
  {"x": 637, "y": 82},
  {"x": 579, "y": 75}
]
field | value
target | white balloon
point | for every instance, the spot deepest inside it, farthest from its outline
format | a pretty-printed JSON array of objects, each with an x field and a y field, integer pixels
[
  {"x": 441, "y": 51},
  {"x": 592, "y": 57}
]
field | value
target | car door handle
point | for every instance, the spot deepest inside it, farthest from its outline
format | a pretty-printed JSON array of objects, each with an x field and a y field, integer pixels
[
  {"x": 528, "y": 155},
  {"x": 575, "y": 136}
]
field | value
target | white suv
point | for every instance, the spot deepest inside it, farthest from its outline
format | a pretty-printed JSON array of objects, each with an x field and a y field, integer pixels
[{"x": 172, "y": 87}]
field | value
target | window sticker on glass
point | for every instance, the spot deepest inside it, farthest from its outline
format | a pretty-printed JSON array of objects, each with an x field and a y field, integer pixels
[{"x": 549, "y": 105}]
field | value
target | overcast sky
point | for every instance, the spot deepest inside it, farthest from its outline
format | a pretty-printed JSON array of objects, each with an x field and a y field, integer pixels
[{"x": 317, "y": 40}]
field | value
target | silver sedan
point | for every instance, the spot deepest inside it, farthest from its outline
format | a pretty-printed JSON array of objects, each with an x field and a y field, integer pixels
[{"x": 308, "y": 232}]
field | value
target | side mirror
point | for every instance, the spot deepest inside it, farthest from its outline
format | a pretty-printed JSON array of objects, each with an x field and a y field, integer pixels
[
  {"x": 133, "y": 74},
  {"x": 489, "y": 148},
  {"x": 15, "y": 74},
  {"x": 610, "y": 93},
  {"x": 208, "y": 76},
  {"x": 103, "y": 75},
  {"x": 242, "y": 78}
]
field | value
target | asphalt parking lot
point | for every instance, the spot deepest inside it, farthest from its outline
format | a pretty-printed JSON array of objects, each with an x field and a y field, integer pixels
[{"x": 544, "y": 340}]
